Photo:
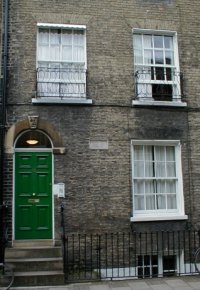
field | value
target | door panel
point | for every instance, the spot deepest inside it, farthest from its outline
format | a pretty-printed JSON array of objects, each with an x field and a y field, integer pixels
[{"x": 33, "y": 195}]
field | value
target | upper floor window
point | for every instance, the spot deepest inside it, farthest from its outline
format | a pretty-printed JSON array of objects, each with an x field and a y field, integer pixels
[
  {"x": 156, "y": 67},
  {"x": 61, "y": 62},
  {"x": 157, "y": 180}
]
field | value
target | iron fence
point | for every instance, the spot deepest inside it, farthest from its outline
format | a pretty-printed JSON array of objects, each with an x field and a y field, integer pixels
[
  {"x": 130, "y": 255},
  {"x": 158, "y": 84},
  {"x": 67, "y": 82}
]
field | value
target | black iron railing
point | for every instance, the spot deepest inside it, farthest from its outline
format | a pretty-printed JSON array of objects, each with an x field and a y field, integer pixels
[
  {"x": 68, "y": 82},
  {"x": 63, "y": 237},
  {"x": 158, "y": 84},
  {"x": 125, "y": 255}
]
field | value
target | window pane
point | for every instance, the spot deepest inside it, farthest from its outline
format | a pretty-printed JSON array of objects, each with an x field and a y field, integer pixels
[
  {"x": 150, "y": 202},
  {"x": 149, "y": 151},
  {"x": 161, "y": 201},
  {"x": 149, "y": 186},
  {"x": 67, "y": 45},
  {"x": 146, "y": 260},
  {"x": 160, "y": 185},
  {"x": 139, "y": 202},
  {"x": 139, "y": 187},
  {"x": 55, "y": 37},
  {"x": 148, "y": 57},
  {"x": 139, "y": 169},
  {"x": 160, "y": 153},
  {"x": 171, "y": 201},
  {"x": 43, "y": 36},
  {"x": 160, "y": 169},
  {"x": 149, "y": 169},
  {"x": 158, "y": 41},
  {"x": 159, "y": 59},
  {"x": 168, "y": 41},
  {"x": 171, "y": 169},
  {"x": 170, "y": 153},
  {"x": 171, "y": 186},
  {"x": 147, "y": 40},
  {"x": 138, "y": 55},
  {"x": 43, "y": 44},
  {"x": 78, "y": 45},
  {"x": 138, "y": 152},
  {"x": 169, "y": 57}
]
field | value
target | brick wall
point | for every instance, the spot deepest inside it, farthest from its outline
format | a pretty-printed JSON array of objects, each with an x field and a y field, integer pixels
[{"x": 98, "y": 182}]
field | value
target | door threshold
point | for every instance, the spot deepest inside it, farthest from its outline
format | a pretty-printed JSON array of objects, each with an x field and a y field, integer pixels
[{"x": 32, "y": 243}]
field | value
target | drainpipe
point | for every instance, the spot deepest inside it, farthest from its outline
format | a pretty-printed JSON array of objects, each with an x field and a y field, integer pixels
[{"x": 4, "y": 57}]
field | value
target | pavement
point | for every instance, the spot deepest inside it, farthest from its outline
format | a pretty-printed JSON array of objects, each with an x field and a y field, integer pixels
[{"x": 168, "y": 283}]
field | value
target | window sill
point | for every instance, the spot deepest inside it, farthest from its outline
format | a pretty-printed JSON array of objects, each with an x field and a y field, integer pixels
[
  {"x": 73, "y": 101},
  {"x": 159, "y": 218},
  {"x": 159, "y": 103}
]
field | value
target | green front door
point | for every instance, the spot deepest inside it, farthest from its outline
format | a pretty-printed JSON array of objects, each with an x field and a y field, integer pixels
[{"x": 33, "y": 195}]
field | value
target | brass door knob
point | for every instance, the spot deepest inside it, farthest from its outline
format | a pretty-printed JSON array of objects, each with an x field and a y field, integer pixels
[{"x": 33, "y": 194}]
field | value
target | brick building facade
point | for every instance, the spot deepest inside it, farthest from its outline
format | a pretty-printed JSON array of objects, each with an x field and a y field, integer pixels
[{"x": 113, "y": 86}]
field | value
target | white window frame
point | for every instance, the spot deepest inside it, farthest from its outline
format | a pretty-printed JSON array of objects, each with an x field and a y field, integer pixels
[
  {"x": 175, "y": 84},
  {"x": 71, "y": 99},
  {"x": 179, "y": 263},
  {"x": 153, "y": 215}
]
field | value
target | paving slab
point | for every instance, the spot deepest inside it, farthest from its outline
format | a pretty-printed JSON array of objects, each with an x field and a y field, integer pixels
[{"x": 173, "y": 283}]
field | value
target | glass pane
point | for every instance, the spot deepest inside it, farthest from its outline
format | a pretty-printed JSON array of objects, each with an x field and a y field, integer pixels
[
  {"x": 168, "y": 41},
  {"x": 154, "y": 259},
  {"x": 42, "y": 140},
  {"x": 170, "y": 153},
  {"x": 138, "y": 59},
  {"x": 55, "y": 52},
  {"x": 160, "y": 169},
  {"x": 67, "y": 45},
  {"x": 160, "y": 73},
  {"x": 158, "y": 41},
  {"x": 43, "y": 52},
  {"x": 150, "y": 202},
  {"x": 137, "y": 42},
  {"x": 149, "y": 152},
  {"x": 149, "y": 186},
  {"x": 171, "y": 186},
  {"x": 171, "y": 201},
  {"x": 159, "y": 59},
  {"x": 146, "y": 260},
  {"x": 169, "y": 57},
  {"x": 147, "y": 41},
  {"x": 55, "y": 37},
  {"x": 160, "y": 184},
  {"x": 139, "y": 187},
  {"x": 138, "y": 152},
  {"x": 161, "y": 201},
  {"x": 67, "y": 37},
  {"x": 159, "y": 153},
  {"x": 139, "y": 202},
  {"x": 171, "y": 169},
  {"x": 43, "y": 36},
  {"x": 138, "y": 169},
  {"x": 149, "y": 169},
  {"x": 78, "y": 46},
  {"x": 169, "y": 74},
  {"x": 148, "y": 57}
]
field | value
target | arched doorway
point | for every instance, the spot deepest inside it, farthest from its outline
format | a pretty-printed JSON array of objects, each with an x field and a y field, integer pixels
[{"x": 33, "y": 204}]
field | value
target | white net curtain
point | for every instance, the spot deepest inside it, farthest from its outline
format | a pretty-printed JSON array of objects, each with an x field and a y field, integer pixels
[
  {"x": 61, "y": 62},
  {"x": 154, "y": 177}
]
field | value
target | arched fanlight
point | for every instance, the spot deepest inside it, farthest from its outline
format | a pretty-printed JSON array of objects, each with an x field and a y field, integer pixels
[{"x": 33, "y": 138}]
